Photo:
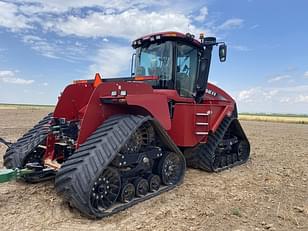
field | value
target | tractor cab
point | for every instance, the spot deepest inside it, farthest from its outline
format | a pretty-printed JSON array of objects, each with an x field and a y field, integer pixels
[{"x": 176, "y": 61}]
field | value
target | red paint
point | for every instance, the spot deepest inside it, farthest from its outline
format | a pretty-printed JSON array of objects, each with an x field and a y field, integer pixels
[
  {"x": 50, "y": 143},
  {"x": 83, "y": 102},
  {"x": 72, "y": 100}
]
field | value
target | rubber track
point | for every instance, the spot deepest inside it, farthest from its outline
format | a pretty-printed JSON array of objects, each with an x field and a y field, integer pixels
[
  {"x": 75, "y": 177},
  {"x": 15, "y": 155},
  {"x": 203, "y": 156}
]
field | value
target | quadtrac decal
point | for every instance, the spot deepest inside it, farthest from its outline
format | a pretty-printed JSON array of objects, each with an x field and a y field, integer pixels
[{"x": 210, "y": 92}]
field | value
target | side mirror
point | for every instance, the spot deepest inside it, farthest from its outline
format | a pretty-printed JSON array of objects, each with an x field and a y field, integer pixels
[
  {"x": 223, "y": 52},
  {"x": 133, "y": 65}
]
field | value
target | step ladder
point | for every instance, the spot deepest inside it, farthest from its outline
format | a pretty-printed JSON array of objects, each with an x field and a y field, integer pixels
[{"x": 202, "y": 120}]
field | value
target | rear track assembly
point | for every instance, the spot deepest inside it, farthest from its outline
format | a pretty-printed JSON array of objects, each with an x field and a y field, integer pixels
[{"x": 28, "y": 149}]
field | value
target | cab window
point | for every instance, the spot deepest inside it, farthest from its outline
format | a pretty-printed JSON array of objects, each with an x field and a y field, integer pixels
[
  {"x": 156, "y": 60},
  {"x": 186, "y": 69}
]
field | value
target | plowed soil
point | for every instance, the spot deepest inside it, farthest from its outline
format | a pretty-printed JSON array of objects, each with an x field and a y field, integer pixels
[{"x": 270, "y": 192}]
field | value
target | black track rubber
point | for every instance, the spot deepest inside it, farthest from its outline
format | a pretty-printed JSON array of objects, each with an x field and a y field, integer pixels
[
  {"x": 17, "y": 153},
  {"x": 6, "y": 143},
  {"x": 76, "y": 176},
  {"x": 204, "y": 155}
]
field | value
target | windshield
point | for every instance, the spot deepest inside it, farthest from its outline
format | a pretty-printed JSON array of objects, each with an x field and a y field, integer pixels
[{"x": 155, "y": 60}]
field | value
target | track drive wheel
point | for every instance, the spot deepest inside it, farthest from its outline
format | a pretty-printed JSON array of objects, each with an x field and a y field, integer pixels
[
  {"x": 106, "y": 189},
  {"x": 171, "y": 168}
]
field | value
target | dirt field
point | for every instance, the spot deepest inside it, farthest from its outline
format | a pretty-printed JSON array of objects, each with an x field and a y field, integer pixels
[{"x": 270, "y": 192}]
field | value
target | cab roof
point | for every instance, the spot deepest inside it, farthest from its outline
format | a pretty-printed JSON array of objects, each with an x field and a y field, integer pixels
[{"x": 189, "y": 38}]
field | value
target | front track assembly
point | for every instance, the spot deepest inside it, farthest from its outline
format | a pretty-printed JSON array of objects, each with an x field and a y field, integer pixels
[
  {"x": 227, "y": 147},
  {"x": 128, "y": 159}
]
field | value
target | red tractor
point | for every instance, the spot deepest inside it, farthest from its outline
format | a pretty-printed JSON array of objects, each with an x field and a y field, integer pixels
[{"x": 112, "y": 143}]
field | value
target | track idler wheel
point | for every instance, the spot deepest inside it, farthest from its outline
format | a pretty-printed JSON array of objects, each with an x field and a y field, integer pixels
[
  {"x": 154, "y": 182},
  {"x": 127, "y": 193},
  {"x": 171, "y": 168},
  {"x": 142, "y": 187},
  {"x": 105, "y": 189}
]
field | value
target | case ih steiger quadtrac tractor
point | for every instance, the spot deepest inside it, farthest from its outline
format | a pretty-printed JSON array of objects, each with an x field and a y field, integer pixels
[{"x": 112, "y": 143}]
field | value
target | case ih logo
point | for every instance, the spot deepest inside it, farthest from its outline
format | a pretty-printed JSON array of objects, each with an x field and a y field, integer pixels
[{"x": 210, "y": 92}]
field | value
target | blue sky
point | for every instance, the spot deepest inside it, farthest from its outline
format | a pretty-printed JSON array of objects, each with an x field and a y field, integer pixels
[{"x": 44, "y": 45}]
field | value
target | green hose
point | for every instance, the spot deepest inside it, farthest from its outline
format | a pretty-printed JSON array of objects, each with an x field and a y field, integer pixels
[{"x": 7, "y": 175}]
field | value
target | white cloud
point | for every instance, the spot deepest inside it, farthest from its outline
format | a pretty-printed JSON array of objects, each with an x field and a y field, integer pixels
[
  {"x": 128, "y": 24},
  {"x": 285, "y": 100},
  {"x": 254, "y": 27},
  {"x": 306, "y": 74},
  {"x": 278, "y": 78},
  {"x": 301, "y": 99},
  {"x": 40, "y": 45},
  {"x": 274, "y": 100},
  {"x": 256, "y": 94},
  {"x": 8, "y": 76},
  {"x": 60, "y": 6},
  {"x": 203, "y": 13},
  {"x": 233, "y": 23},
  {"x": 10, "y": 17},
  {"x": 284, "y": 94},
  {"x": 247, "y": 95},
  {"x": 56, "y": 49},
  {"x": 111, "y": 60},
  {"x": 104, "y": 19}
]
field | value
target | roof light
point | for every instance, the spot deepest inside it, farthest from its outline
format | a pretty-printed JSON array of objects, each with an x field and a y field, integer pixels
[
  {"x": 170, "y": 35},
  {"x": 139, "y": 42},
  {"x": 143, "y": 78},
  {"x": 157, "y": 37},
  {"x": 152, "y": 39},
  {"x": 80, "y": 81}
]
